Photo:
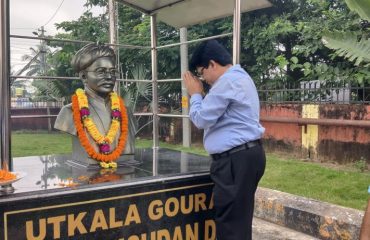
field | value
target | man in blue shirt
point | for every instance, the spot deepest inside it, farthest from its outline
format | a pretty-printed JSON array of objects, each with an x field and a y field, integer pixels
[{"x": 229, "y": 115}]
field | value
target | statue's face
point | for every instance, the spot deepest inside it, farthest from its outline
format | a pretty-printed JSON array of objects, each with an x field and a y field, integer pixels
[{"x": 100, "y": 76}]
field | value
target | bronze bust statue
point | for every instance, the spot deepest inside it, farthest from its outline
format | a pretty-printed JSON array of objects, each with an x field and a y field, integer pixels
[{"x": 96, "y": 67}]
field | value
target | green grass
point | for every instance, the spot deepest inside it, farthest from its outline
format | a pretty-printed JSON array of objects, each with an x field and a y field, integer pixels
[
  {"x": 40, "y": 143},
  {"x": 342, "y": 187},
  {"x": 345, "y": 187}
]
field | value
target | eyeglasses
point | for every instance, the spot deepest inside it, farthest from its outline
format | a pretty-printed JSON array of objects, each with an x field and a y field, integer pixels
[
  {"x": 199, "y": 74},
  {"x": 103, "y": 72}
]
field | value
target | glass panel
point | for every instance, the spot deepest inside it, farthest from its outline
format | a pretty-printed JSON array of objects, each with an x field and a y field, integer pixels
[{"x": 44, "y": 81}]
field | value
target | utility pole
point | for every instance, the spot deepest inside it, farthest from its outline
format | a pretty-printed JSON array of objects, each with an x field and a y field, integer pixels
[
  {"x": 43, "y": 71},
  {"x": 42, "y": 51}
]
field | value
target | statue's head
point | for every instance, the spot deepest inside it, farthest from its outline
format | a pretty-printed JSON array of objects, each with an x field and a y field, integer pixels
[{"x": 96, "y": 67}]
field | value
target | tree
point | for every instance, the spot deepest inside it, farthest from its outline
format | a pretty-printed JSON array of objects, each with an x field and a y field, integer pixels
[
  {"x": 87, "y": 27},
  {"x": 281, "y": 46},
  {"x": 354, "y": 46},
  {"x": 36, "y": 62},
  {"x": 134, "y": 29},
  {"x": 39, "y": 66}
]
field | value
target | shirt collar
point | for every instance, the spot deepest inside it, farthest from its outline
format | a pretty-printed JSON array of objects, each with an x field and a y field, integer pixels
[{"x": 230, "y": 69}]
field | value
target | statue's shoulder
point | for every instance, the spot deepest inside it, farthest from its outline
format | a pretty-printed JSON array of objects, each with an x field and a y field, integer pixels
[
  {"x": 64, "y": 121},
  {"x": 66, "y": 108}
]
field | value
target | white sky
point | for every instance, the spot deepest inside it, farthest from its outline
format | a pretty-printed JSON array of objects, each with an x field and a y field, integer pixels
[
  {"x": 29, "y": 15},
  {"x": 26, "y": 16}
]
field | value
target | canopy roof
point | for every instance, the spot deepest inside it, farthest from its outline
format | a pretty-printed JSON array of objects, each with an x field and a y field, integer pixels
[{"x": 184, "y": 13}]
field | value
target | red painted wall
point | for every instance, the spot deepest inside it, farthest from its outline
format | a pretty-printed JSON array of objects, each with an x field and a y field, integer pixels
[
  {"x": 32, "y": 123},
  {"x": 338, "y": 144},
  {"x": 344, "y": 144},
  {"x": 282, "y": 132}
]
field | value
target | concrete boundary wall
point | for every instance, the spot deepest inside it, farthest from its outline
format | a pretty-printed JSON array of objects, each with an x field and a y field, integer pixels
[
  {"x": 319, "y": 143},
  {"x": 33, "y": 123},
  {"x": 318, "y": 219}
]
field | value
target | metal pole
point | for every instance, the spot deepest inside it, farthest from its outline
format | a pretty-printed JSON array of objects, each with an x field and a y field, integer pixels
[
  {"x": 173, "y": 115},
  {"x": 186, "y": 127},
  {"x": 4, "y": 91},
  {"x": 112, "y": 23},
  {"x": 195, "y": 41},
  {"x": 113, "y": 33},
  {"x": 153, "y": 26},
  {"x": 236, "y": 33},
  {"x": 170, "y": 80},
  {"x": 78, "y": 41}
]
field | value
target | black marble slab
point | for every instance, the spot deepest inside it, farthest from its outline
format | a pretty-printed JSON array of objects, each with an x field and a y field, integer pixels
[{"x": 53, "y": 172}]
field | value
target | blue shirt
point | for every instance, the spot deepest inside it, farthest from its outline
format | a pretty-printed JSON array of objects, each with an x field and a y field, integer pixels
[{"x": 229, "y": 113}]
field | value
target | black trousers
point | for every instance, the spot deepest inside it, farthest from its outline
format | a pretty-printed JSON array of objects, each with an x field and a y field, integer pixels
[{"x": 236, "y": 178}]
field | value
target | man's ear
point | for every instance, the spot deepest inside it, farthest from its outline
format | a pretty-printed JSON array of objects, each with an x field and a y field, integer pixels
[
  {"x": 212, "y": 64},
  {"x": 82, "y": 76}
]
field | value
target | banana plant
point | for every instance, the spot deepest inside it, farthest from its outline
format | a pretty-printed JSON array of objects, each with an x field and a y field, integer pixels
[
  {"x": 362, "y": 7},
  {"x": 348, "y": 44}
]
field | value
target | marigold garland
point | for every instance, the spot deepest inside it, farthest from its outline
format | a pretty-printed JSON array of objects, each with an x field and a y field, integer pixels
[
  {"x": 89, "y": 124},
  {"x": 81, "y": 118},
  {"x": 6, "y": 175}
]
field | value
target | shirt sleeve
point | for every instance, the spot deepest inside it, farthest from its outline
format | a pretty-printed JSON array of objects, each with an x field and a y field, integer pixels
[{"x": 204, "y": 113}]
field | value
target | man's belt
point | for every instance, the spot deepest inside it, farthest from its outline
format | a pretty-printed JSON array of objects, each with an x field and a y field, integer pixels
[{"x": 239, "y": 148}]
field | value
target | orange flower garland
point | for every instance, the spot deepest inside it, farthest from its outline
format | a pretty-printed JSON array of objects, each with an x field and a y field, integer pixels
[
  {"x": 105, "y": 159},
  {"x": 89, "y": 124},
  {"x": 6, "y": 175}
]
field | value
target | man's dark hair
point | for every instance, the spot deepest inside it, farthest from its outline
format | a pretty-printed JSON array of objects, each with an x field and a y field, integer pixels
[{"x": 207, "y": 51}]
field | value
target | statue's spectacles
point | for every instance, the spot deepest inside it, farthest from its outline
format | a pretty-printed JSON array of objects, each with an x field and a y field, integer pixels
[{"x": 103, "y": 72}]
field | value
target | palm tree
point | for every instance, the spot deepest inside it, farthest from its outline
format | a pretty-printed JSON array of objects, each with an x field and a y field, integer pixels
[
  {"x": 138, "y": 95},
  {"x": 38, "y": 65}
]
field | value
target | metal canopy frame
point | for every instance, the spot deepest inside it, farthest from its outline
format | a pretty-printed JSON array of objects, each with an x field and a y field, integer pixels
[
  {"x": 175, "y": 10},
  {"x": 238, "y": 7},
  {"x": 150, "y": 11},
  {"x": 184, "y": 13}
]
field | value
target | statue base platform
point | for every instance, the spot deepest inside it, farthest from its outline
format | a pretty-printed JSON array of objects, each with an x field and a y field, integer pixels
[
  {"x": 92, "y": 164},
  {"x": 80, "y": 159},
  {"x": 54, "y": 200}
]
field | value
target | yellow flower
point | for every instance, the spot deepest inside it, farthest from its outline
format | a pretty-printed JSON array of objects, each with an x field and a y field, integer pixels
[
  {"x": 91, "y": 128},
  {"x": 82, "y": 99},
  {"x": 104, "y": 165},
  {"x": 113, "y": 130},
  {"x": 112, "y": 164},
  {"x": 115, "y": 101},
  {"x": 80, "y": 92}
]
